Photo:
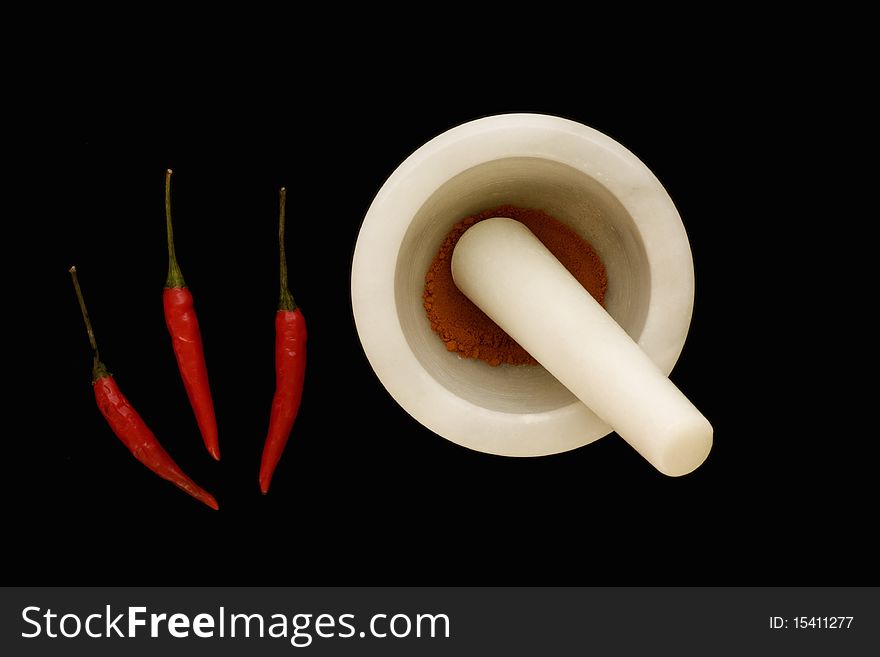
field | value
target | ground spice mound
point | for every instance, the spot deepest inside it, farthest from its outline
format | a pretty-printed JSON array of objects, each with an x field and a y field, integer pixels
[{"x": 468, "y": 330}]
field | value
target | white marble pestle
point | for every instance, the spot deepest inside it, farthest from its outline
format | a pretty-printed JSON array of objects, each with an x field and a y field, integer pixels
[{"x": 503, "y": 268}]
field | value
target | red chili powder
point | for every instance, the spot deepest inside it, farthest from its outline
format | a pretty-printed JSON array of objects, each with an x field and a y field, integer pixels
[{"x": 468, "y": 330}]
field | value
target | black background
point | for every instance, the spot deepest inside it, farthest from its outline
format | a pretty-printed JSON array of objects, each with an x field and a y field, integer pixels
[{"x": 364, "y": 494}]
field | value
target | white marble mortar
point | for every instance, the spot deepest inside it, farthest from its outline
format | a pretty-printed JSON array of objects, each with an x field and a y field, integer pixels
[{"x": 578, "y": 175}]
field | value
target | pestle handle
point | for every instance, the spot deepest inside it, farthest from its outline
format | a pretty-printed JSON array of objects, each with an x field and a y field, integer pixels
[{"x": 506, "y": 271}]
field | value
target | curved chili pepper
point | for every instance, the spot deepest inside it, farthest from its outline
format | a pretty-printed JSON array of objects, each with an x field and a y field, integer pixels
[
  {"x": 128, "y": 425},
  {"x": 290, "y": 368},
  {"x": 186, "y": 338}
]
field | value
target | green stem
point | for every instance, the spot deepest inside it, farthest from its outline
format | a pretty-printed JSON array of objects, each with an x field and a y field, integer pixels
[
  {"x": 286, "y": 301},
  {"x": 175, "y": 278},
  {"x": 99, "y": 371}
]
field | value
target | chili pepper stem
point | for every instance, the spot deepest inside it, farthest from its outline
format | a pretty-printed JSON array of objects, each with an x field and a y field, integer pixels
[
  {"x": 285, "y": 301},
  {"x": 99, "y": 370},
  {"x": 175, "y": 277}
]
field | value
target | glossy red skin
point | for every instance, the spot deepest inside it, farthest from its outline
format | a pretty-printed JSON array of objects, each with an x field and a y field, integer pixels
[
  {"x": 186, "y": 338},
  {"x": 130, "y": 428},
  {"x": 290, "y": 372}
]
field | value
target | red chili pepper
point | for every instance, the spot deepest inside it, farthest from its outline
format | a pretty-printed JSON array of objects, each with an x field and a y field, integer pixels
[
  {"x": 128, "y": 426},
  {"x": 186, "y": 338},
  {"x": 290, "y": 368}
]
